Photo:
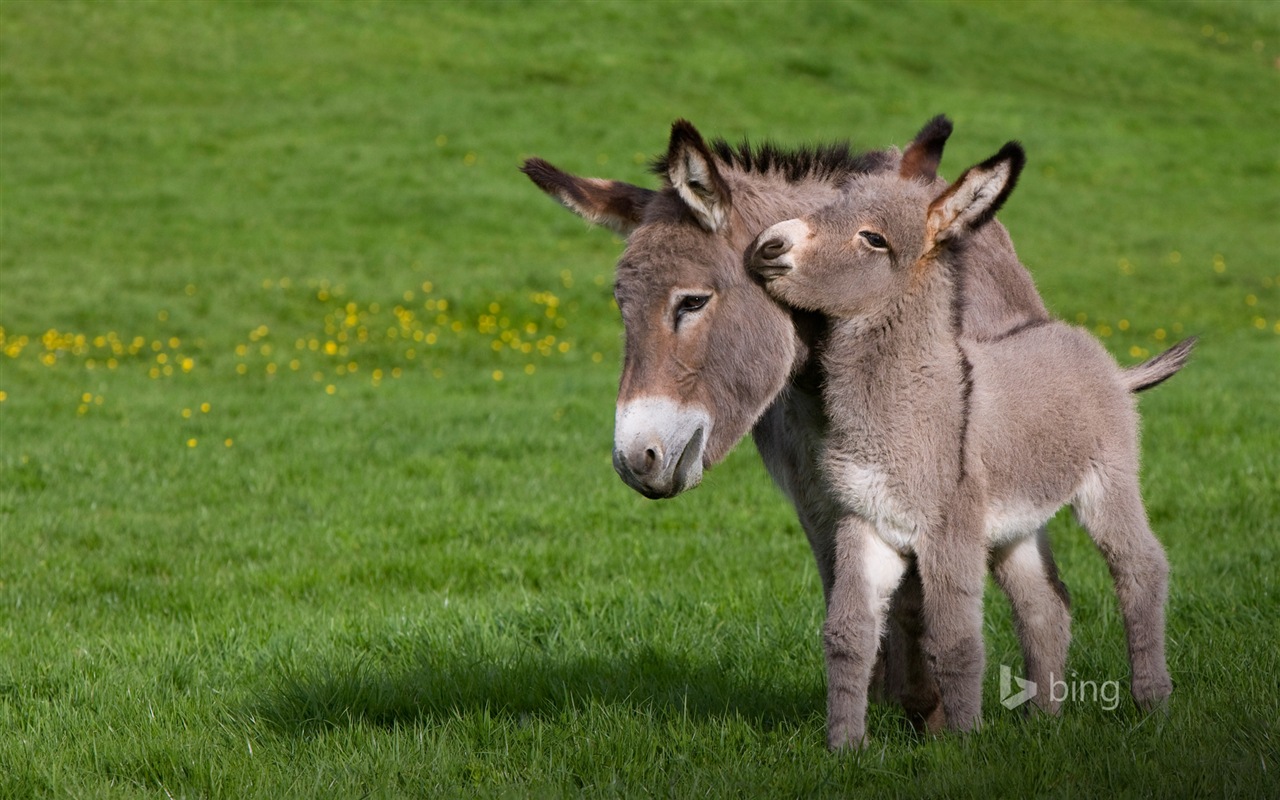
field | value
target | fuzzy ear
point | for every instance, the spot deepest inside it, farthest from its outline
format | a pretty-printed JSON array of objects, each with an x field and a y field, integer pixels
[
  {"x": 924, "y": 154},
  {"x": 692, "y": 171},
  {"x": 613, "y": 204},
  {"x": 973, "y": 200}
]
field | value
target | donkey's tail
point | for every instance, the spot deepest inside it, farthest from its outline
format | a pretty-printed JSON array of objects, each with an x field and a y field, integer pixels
[{"x": 1156, "y": 370}]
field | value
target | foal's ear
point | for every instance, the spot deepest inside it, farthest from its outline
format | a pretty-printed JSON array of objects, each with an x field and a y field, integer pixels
[
  {"x": 613, "y": 204},
  {"x": 691, "y": 169},
  {"x": 924, "y": 154},
  {"x": 973, "y": 200}
]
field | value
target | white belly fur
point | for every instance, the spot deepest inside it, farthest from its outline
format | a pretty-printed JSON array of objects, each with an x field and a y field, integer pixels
[
  {"x": 866, "y": 490},
  {"x": 1007, "y": 522}
]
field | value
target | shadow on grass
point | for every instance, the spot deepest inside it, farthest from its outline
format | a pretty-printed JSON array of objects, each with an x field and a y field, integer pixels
[{"x": 538, "y": 684}]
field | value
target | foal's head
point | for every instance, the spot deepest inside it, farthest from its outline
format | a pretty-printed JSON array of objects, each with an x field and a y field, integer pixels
[{"x": 857, "y": 257}]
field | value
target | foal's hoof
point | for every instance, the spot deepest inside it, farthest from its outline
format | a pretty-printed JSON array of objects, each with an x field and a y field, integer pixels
[
  {"x": 845, "y": 741},
  {"x": 1041, "y": 707},
  {"x": 1154, "y": 705},
  {"x": 963, "y": 723},
  {"x": 1153, "y": 697}
]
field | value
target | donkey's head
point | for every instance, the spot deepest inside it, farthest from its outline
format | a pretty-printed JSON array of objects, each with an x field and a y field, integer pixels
[
  {"x": 855, "y": 258},
  {"x": 706, "y": 351}
]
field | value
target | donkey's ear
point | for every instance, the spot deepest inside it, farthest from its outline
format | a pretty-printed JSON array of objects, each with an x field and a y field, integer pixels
[
  {"x": 692, "y": 171},
  {"x": 613, "y": 204},
  {"x": 976, "y": 196},
  {"x": 924, "y": 154}
]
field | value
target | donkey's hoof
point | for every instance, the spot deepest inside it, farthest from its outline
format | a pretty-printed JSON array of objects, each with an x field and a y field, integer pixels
[
  {"x": 935, "y": 721},
  {"x": 926, "y": 717}
]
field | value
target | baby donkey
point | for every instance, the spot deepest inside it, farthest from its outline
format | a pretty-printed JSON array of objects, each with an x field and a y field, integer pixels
[{"x": 955, "y": 451}]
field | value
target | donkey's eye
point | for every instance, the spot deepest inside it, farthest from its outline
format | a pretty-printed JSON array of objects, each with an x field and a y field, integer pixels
[
  {"x": 874, "y": 239},
  {"x": 691, "y": 303}
]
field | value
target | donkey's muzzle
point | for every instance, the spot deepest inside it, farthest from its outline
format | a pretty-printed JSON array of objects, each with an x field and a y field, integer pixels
[{"x": 658, "y": 446}]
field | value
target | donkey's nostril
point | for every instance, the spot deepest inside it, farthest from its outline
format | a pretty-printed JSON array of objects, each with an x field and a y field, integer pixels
[
  {"x": 774, "y": 248},
  {"x": 650, "y": 459}
]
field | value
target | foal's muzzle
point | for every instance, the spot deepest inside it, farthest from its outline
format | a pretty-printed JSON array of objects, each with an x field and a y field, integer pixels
[{"x": 770, "y": 256}]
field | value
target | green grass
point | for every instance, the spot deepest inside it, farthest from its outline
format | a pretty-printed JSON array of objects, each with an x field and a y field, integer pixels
[{"x": 387, "y": 560}]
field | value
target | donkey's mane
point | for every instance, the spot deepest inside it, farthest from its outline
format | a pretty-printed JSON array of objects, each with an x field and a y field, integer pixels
[{"x": 807, "y": 162}]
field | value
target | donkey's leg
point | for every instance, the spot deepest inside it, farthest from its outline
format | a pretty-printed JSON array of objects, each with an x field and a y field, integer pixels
[
  {"x": 888, "y": 680},
  {"x": 866, "y": 573},
  {"x": 916, "y": 688},
  {"x": 1026, "y": 573},
  {"x": 1109, "y": 506},
  {"x": 822, "y": 543},
  {"x": 952, "y": 564}
]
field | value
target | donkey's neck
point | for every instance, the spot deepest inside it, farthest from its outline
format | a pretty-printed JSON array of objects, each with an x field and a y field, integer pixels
[{"x": 761, "y": 200}]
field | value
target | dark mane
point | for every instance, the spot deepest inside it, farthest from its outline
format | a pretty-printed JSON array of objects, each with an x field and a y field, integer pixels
[{"x": 821, "y": 162}]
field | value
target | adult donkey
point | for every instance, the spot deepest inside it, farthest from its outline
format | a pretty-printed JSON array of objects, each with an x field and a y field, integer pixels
[{"x": 710, "y": 356}]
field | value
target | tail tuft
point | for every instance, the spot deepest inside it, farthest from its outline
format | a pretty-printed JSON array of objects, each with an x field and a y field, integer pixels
[{"x": 1156, "y": 370}]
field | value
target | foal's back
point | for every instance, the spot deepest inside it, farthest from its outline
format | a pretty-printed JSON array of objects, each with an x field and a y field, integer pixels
[{"x": 1050, "y": 411}]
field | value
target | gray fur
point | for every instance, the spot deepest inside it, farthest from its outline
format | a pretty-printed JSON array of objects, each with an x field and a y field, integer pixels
[
  {"x": 955, "y": 447},
  {"x": 744, "y": 360}
]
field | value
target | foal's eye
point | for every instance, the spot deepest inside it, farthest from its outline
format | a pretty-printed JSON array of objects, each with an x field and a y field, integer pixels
[
  {"x": 874, "y": 239},
  {"x": 691, "y": 303}
]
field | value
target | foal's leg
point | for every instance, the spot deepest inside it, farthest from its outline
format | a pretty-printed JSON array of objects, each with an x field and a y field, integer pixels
[
  {"x": 866, "y": 573},
  {"x": 1026, "y": 573},
  {"x": 952, "y": 571},
  {"x": 1110, "y": 507},
  {"x": 890, "y": 682}
]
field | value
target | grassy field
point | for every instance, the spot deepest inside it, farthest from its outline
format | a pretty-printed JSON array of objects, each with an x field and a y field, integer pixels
[{"x": 306, "y": 396}]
